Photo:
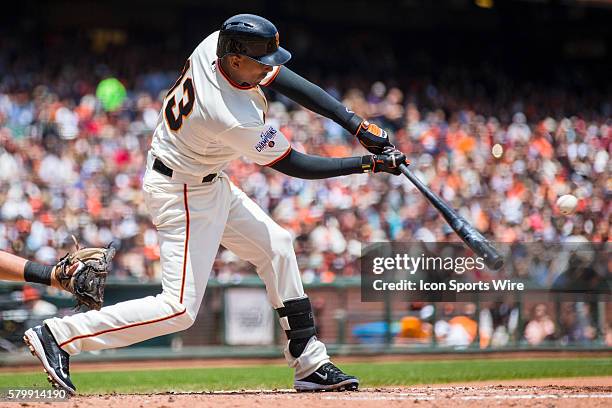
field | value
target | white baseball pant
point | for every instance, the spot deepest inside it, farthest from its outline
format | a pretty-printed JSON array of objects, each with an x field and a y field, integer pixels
[{"x": 192, "y": 219}]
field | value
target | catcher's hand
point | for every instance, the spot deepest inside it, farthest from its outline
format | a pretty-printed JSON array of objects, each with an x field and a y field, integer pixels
[{"x": 83, "y": 273}]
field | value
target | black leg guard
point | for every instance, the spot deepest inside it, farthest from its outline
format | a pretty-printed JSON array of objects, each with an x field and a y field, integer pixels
[{"x": 301, "y": 322}]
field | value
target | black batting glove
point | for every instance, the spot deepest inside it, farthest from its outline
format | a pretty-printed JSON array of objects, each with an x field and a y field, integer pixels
[
  {"x": 388, "y": 162},
  {"x": 373, "y": 138}
]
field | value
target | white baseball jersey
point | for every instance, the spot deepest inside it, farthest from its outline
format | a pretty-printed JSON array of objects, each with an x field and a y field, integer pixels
[{"x": 208, "y": 120}]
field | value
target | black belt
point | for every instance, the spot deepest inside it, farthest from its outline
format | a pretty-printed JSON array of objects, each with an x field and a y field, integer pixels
[{"x": 160, "y": 167}]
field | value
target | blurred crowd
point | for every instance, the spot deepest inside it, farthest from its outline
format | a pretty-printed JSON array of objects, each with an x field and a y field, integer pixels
[
  {"x": 70, "y": 167},
  {"x": 499, "y": 324}
]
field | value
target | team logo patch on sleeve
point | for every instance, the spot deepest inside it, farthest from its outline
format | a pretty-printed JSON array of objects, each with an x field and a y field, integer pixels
[{"x": 266, "y": 139}]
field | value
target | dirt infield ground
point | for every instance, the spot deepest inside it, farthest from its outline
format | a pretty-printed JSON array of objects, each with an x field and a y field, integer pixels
[
  {"x": 552, "y": 392},
  {"x": 567, "y": 392}
]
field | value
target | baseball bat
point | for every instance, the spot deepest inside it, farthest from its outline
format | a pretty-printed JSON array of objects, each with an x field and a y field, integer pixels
[{"x": 472, "y": 238}]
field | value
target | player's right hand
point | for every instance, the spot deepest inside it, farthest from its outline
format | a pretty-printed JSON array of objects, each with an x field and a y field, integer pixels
[
  {"x": 388, "y": 161},
  {"x": 373, "y": 138}
]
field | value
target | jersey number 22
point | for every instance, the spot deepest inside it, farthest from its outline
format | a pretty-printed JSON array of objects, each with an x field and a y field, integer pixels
[{"x": 174, "y": 116}]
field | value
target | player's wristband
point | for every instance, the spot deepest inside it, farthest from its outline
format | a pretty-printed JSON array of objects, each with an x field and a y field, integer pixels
[
  {"x": 367, "y": 164},
  {"x": 37, "y": 273}
]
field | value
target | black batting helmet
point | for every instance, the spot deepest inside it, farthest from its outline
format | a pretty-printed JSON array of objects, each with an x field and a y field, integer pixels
[{"x": 252, "y": 36}]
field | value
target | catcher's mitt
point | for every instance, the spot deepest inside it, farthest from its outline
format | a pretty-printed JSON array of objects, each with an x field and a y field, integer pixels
[{"x": 83, "y": 273}]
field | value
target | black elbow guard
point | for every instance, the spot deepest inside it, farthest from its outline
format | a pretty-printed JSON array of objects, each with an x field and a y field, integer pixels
[{"x": 301, "y": 322}]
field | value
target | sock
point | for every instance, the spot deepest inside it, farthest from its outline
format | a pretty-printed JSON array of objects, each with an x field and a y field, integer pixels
[{"x": 297, "y": 347}]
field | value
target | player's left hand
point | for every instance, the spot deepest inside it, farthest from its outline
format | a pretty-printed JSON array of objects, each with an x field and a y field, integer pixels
[
  {"x": 83, "y": 273},
  {"x": 372, "y": 137},
  {"x": 389, "y": 161}
]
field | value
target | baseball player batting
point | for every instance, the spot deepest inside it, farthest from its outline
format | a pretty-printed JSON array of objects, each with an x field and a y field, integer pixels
[{"x": 214, "y": 113}]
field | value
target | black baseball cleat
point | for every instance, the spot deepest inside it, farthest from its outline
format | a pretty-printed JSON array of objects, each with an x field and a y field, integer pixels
[
  {"x": 55, "y": 361},
  {"x": 328, "y": 377}
]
